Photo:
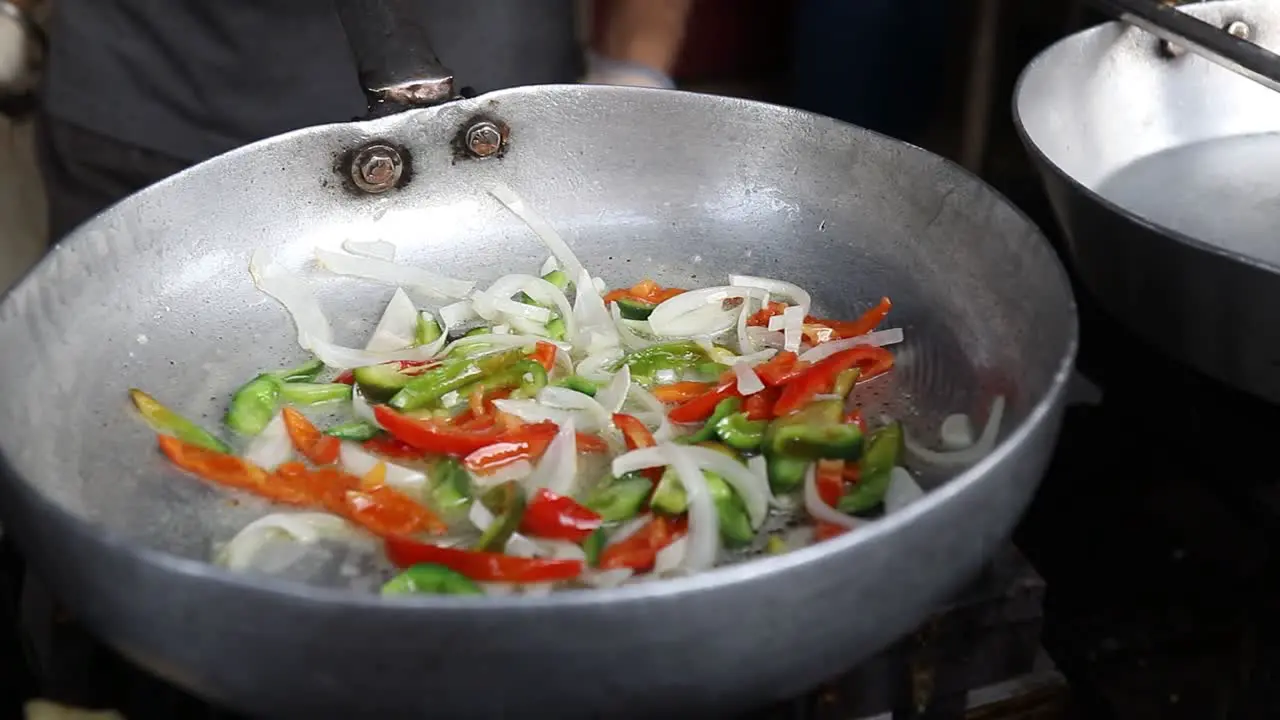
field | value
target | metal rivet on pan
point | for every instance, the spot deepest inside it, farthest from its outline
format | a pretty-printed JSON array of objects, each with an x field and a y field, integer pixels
[
  {"x": 1239, "y": 28},
  {"x": 377, "y": 168},
  {"x": 1169, "y": 50},
  {"x": 484, "y": 139}
]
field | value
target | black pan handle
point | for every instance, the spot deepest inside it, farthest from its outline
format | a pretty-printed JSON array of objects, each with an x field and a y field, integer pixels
[
  {"x": 1195, "y": 35},
  {"x": 397, "y": 66}
]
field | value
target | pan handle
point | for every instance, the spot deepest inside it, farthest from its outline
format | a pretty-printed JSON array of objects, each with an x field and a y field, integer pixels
[
  {"x": 1214, "y": 44},
  {"x": 397, "y": 66}
]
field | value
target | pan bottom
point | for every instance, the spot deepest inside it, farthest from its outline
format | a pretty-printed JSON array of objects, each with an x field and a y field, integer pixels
[{"x": 1224, "y": 192}]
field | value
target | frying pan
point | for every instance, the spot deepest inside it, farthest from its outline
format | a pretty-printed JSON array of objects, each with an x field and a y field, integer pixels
[
  {"x": 680, "y": 187},
  {"x": 1161, "y": 168}
]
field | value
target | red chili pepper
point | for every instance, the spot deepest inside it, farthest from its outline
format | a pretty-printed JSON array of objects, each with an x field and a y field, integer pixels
[
  {"x": 545, "y": 354},
  {"x": 558, "y": 518},
  {"x": 679, "y": 392},
  {"x": 528, "y": 442},
  {"x": 637, "y": 436},
  {"x": 314, "y": 445},
  {"x": 214, "y": 466},
  {"x": 390, "y": 447},
  {"x": 347, "y": 377},
  {"x": 701, "y": 407},
  {"x": 639, "y": 551},
  {"x": 326, "y": 486},
  {"x": 869, "y": 321},
  {"x": 482, "y": 566},
  {"x": 385, "y": 511},
  {"x": 434, "y": 436},
  {"x": 760, "y": 405},
  {"x": 821, "y": 376}
]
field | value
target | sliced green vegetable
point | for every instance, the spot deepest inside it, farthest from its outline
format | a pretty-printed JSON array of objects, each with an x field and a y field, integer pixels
[
  {"x": 426, "y": 330},
  {"x": 380, "y": 382},
  {"x": 450, "y": 485},
  {"x": 163, "y": 420},
  {"x": 430, "y": 579},
  {"x": 670, "y": 498},
  {"x": 676, "y": 356},
  {"x": 817, "y": 431},
  {"x": 477, "y": 331},
  {"x": 559, "y": 278},
  {"x": 253, "y": 405},
  {"x": 594, "y": 545},
  {"x": 357, "y": 430},
  {"x": 724, "y": 409},
  {"x": 454, "y": 374},
  {"x": 579, "y": 384},
  {"x": 507, "y": 503},
  {"x": 775, "y": 545},
  {"x": 884, "y": 449},
  {"x": 845, "y": 381},
  {"x": 305, "y": 372},
  {"x": 526, "y": 377},
  {"x": 635, "y": 309},
  {"x": 739, "y": 433},
  {"x": 620, "y": 499},
  {"x": 786, "y": 474},
  {"x": 556, "y": 329},
  {"x": 306, "y": 393},
  {"x": 710, "y": 371}
]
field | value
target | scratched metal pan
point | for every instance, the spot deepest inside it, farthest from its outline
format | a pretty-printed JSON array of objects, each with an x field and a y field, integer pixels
[
  {"x": 680, "y": 187},
  {"x": 1164, "y": 171}
]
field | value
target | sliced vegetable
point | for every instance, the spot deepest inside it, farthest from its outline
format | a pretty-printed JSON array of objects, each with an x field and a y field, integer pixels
[
  {"x": 785, "y": 473},
  {"x": 821, "y": 377},
  {"x": 639, "y": 551},
  {"x": 594, "y": 545},
  {"x": 673, "y": 356},
  {"x": 735, "y": 527},
  {"x": 305, "y": 372},
  {"x": 545, "y": 354},
  {"x": 815, "y": 432},
  {"x": 452, "y": 375},
  {"x": 450, "y": 485},
  {"x": 163, "y": 420},
  {"x": 430, "y": 579},
  {"x": 482, "y": 566},
  {"x": 391, "y": 447},
  {"x": 702, "y": 407},
  {"x": 306, "y": 393},
  {"x": 508, "y": 506},
  {"x": 357, "y": 430},
  {"x": 884, "y": 450},
  {"x": 381, "y": 382},
  {"x": 634, "y": 308},
  {"x": 314, "y": 445},
  {"x": 559, "y": 518},
  {"x": 580, "y": 384},
  {"x": 739, "y": 433},
  {"x": 426, "y": 330},
  {"x": 622, "y": 498},
  {"x": 253, "y": 405},
  {"x": 681, "y": 392},
  {"x": 434, "y": 436},
  {"x": 213, "y": 465},
  {"x": 385, "y": 511},
  {"x": 724, "y": 409}
]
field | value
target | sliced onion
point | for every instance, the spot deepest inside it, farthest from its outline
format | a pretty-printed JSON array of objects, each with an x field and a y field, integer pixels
[
  {"x": 428, "y": 282},
  {"x": 750, "y": 486},
  {"x": 879, "y": 338},
  {"x": 704, "y": 520},
  {"x": 495, "y": 342},
  {"x": 358, "y": 461},
  {"x": 550, "y": 265},
  {"x": 559, "y": 550},
  {"x": 593, "y": 417},
  {"x": 670, "y": 558},
  {"x": 793, "y": 328},
  {"x": 457, "y": 314},
  {"x": 760, "y": 468},
  {"x": 662, "y": 429},
  {"x": 305, "y": 528},
  {"x": 985, "y": 444},
  {"x": 376, "y": 249},
  {"x": 748, "y": 382},
  {"x": 956, "y": 432},
  {"x": 614, "y": 395},
  {"x": 902, "y": 491},
  {"x": 762, "y": 337},
  {"x": 480, "y": 516},
  {"x": 512, "y": 471},
  {"x": 558, "y": 468},
  {"x": 756, "y": 358},
  {"x": 820, "y": 510},
  {"x": 520, "y": 546},
  {"x": 361, "y": 408},
  {"x": 745, "y": 345},
  {"x": 540, "y": 227},
  {"x": 297, "y": 299},
  {"x": 396, "y": 329},
  {"x": 343, "y": 358},
  {"x": 271, "y": 447},
  {"x": 606, "y": 578},
  {"x": 594, "y": 366},
  {"x": 628, "y": 529},
  {"x": 629, "y": 338},
  {"x": 533, "y": 411},
  {"x": 697, "y": 312},
  {"x": 592, "y": 317},
  {"x": 796, "y": 294},
  {"x": 491, "y": 307}
]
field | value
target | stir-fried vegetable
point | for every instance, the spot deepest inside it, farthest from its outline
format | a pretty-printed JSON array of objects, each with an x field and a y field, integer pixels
[{"x": 545, "y": 430}]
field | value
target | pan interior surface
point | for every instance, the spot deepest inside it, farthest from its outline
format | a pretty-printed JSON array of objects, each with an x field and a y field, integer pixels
[
  {"x": 1178, "y": 141},
  {"x": 684, "y": 189}
]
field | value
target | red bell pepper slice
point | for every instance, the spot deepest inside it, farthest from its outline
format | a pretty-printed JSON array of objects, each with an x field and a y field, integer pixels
[
  {"x": 314, "y": 445},
  {"x": 558, "y": 518},
  {"x": 545, "y": 354},
  {"x": 759, "y": 406},
  {"x": 826, "y": 531},
  {"x": 639, "y": 551},
  {"x": 646, "y": 291},
  {"x": 761, "y": 317},
  {"x": 211, "y": 465},
  {"x": 347, "y": 377},
  {"x": 637, "y": 436},
  {"x": 679, "y": 392},
  {"x": 820, "y": 378},
  {"x": 388, "y": 446},
  {"x": 528, "y": 442},
  {"x": 385, "y": 511},
  {"x": 482, "y": 566},
  {"x": 869, "y": 321},
  {"x": 701, "y": 407},
  {"x": 780, "y": 369},
  {"x": 434, "y": 436}
]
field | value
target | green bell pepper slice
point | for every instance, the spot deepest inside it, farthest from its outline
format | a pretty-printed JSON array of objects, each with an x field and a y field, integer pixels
[
  {"x": 884, "y": 451},
  {"x": 724, "y": 409},
  {"x": 507, "y": 503},
  {"x": 579, "y": 384},
  {"x": 308, "y": 393},
  {"x": 253, "y": 405},
  {"x": 620, "y": 499},
  {"x": 815, "y": 432},
  {"x": 306, "y": 372},
  {"x": 426, "y": 330},
  {"x": 356, "y": 430},
  {"x": 163, "y": 420},
  {"x": 430, "y": 579},
  {"x": 670, "y": 498},
  {"x": 739, "y": 433},
  {"x": 450, "y": 485},
  {"x": 452, "y": 375},
  {"x": 647, "y": 362}
]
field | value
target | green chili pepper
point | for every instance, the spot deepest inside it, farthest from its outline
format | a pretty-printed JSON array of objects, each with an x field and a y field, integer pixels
[
  {"x": 305, "y": 372},
  {"x": 426, "y": 330},
  {"x": 430, "y": 579},
  {"x": 253, "y": 405},
  {"x": 594, "y": 545},
  {"x": 817, "y": 431},
  {"x": 450, "y": 485},
  {"x": 677, "y": 356},
  {"x": 785, "y": 473},
  {"x": 305, "y": 393},
  {"x": 670, "y": 498},
  {"x": 739, "y": 433},
  {"x": 163, "y": 420},
  {"x": 620, "y": 499},
  {"x": 453, "y": 375},
  {"x": 884, "y": 449},
  {"x": 357, "y": 430},
  {"x": 559, "y": 278},
  {"x": 724, "y": 409},
  {"x": 556, "y": 329},
  {"x": 507, "y": 503},
  {"x": 845, "y": 381},
  {"x": 526, "y": 376},
  {"x": 579, "y": 384}
]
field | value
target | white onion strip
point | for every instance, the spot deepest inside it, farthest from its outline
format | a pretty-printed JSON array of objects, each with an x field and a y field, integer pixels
[
  {"x": 376, "y": 249},
  {"x": 748, "y": 382},
  {"x": 426, "y": 281},
  {"x": 396, "y": 328},
  {"x": 985, "y": 444},
  {"x": 796, "y": 294},
  {"x": 819, "y": 509},
  {"x": 792, "y": 328},
  {"x": 540, "y": 227},
  {"x": 704, "y": 530},
  {"x": 751, "y": 487},
  {"x": 358, "y": 461},
  {"x": 595, "y": 415},
  {"x": 512, "y": 471},
  {"x": 630, "y": 338},
  {"x": 295, "y": 296},
  {"x": 614, "y": 395},
  {"x": 271, "y": 447},
  {"x": 558, "y": 467},
  {"x": 879, "y": 338},
  {"x": 662, "y": 430},
  {"x": 533, "y": 411},
  {"x": 305, "y": 528},
  {"x": 698, "y": 312}
]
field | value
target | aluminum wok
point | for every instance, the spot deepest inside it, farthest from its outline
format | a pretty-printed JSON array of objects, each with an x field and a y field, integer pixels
[{"x": 680, "y": 187}]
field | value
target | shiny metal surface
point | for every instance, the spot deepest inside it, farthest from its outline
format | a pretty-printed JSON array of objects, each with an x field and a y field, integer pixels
[
  {"x": 644, "y": 183},
  {"x": 1161, "y": 171}
]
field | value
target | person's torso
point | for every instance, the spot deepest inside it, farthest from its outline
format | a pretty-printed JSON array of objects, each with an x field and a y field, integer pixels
[{"x": 194, "y": 78}]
